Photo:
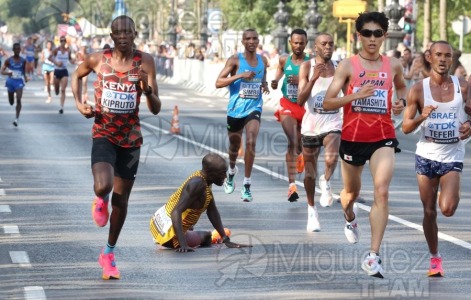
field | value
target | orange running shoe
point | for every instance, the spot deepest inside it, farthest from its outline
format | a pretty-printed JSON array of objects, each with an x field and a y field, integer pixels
[
  {"x": 300, "y": 163},
  {"x": 436, "y": 269},
  {"x": 293, "y": 193},
  {"x": 110, "y": 271},
  {"x": 100, "y": 212}
]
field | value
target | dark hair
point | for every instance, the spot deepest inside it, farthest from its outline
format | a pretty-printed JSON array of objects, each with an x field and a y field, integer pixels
[
  {"x": 321, "y": 34},
  {"x": 407, "y": 49},
  {"x": 375, "y": 17},
  {"x": 298, "y": 31},
  {"x": 249, "y": 30},
  {"x": 16, "y": 44},
  {"x": 438, "y": 42},
  {"x": 125, "y": 18}
]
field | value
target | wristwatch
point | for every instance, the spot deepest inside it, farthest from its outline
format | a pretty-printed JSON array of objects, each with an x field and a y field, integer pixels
[{"x": 148, "y": 91}]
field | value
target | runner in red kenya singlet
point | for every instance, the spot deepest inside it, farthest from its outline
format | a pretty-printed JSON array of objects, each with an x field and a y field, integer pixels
[{"x": 124, "y": 75}]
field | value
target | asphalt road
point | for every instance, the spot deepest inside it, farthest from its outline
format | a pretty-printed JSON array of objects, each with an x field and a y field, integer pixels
[{"x": 49, "y": 245}]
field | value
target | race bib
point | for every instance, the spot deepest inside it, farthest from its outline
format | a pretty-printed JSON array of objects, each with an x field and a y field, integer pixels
[
  {"x": 442, "y": 128},
  {"x": 250, "y": 90},
  {"x": 376, "y": 104},
  {"x": 292, "y": 90},
  {"x": 118, "y": 102},
  {"x": 318, "y": 108},
  {"x": 16, "y": 74},
  {"x": 162, "y": 221}
]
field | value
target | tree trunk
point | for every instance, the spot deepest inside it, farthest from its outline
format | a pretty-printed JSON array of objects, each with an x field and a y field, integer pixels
[
  {"x": 381, "y": 5},
  {"x": 427, "y": 23},
  {"x": 443, "y": 23}
]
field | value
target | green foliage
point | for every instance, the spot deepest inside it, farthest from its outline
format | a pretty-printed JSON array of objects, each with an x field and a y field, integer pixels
[{"x": 454, "y": 9}]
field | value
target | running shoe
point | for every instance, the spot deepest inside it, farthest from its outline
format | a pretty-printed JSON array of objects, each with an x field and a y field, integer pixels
[
  {"x": 300, "y": 163},
  {"x": 293, "y": 193},
  {"x": 15, "y": 123},
  {"x": 229, "y": 184},
  {"x": 100, "y": 212},
  {"x": 110, "y": 271},
  {"x": 49, "y": 99},
  {"x": 326, "y": 197},
  {"x": 352, "y": 231},
  {"x": 61, "y": 111},
  {"x": 313, "y": 224},
  {"x": 436, "y": 269},
  {"x": 372, "y": 266},
  {"x": 246, "y": 194}
]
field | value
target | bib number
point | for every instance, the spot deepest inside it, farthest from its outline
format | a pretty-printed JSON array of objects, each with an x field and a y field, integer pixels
[{"x": 162, "y": 221}]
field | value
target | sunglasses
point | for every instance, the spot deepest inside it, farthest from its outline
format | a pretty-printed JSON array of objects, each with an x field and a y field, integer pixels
[
  {"x": 63, "y": 41},
  {"x": 368, "y": 33}
]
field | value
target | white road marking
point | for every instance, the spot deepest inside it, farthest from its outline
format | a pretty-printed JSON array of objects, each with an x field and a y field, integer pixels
[
  {"x": 5, "y": 209},
  {"x": 34, "y": 293},
  {"x": 2, "y": 192},
  {"x": 441, "y": 235},
  {"x": 11, "y": 229},
  {"x": 21, "y": 258}
]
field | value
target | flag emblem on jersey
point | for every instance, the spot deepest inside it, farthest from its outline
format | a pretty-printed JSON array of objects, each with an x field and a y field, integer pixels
[
  {"x": 289, "y": 68},
  {"x": 383, "y": 75},
  {"x": 347, "y": 157}
]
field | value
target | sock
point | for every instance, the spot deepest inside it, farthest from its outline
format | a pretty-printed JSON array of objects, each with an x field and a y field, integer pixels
[
  {"x": 292, "y": 184},
  {"x": 247, "y": 180},
  {"x": 108, "y": 249},
  {"x": 437, "y": 255},
  {"x": 232, "y": 171},
  {"x": 373, "y": 254}
]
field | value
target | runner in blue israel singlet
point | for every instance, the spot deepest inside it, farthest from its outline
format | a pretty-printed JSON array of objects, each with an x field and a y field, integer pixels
[{"x": 246, "y": 94}]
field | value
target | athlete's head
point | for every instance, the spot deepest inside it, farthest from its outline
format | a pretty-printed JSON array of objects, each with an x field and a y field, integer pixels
[
  {"x": 123, "y": 33},
  {"x": 250, "y": 40},
  {"x": 215, "y": 168},
  {"x": 440, "y": 57},
  {"x": 16, "y": 49},
  {"x": 371, "y": 29},
  {"x": 324, "y": 46},
  {"x": 298, "y": 41}
]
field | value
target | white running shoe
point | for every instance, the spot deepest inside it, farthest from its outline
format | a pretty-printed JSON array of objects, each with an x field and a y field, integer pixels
[
  {"x": 229, "y": 184},
  {"x": 326, "y": 197},
  {"x": 372, "y": 266},
  {"x": 352, "y": 231},
  {"x": 313, "y": 224}
]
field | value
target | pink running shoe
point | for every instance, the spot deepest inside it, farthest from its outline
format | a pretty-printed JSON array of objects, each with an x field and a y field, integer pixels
[
  {"x": 436, "y": 269},
  {"x": 110, "y": 271},
  {"x": 100, "y": 212}
]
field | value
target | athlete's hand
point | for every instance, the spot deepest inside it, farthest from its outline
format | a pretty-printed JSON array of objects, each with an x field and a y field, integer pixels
[
  {"x": 319, "y": 69},
  {"x": 248, "y": 75},
  {"x": 143, "y": 79},
  {"x": 465, "y": 130},
  {"x": 397, "y": 107},
  {"x": 230, "y": 244},
  {"x": 86, "y": 110},
  {"x": 184, "y": 249},
  {"x": 265, "y": 89},
  {"x": 427, "y": 110},
  {"x": 366, "y": 91}
]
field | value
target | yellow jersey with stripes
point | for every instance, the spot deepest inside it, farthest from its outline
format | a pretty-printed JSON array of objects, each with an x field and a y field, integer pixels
[{"x": 161, "y": 225}]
